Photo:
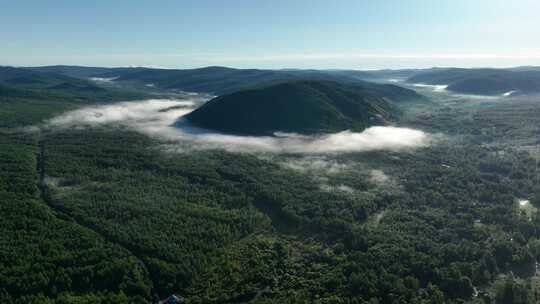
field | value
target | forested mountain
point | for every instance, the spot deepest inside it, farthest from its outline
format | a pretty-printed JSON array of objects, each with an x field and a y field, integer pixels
[
  {"x": 483, "y": 81},
  {"x": 215, "y": 80},
  {"x": 23, "y": 82},
  {"x": 301, "y": 107},
  {"x": 221, "y": 80},
  {"x": 28, "y": 97},
  {"x": 76, "y": 71},
  {"x": 40, "y": 80}
]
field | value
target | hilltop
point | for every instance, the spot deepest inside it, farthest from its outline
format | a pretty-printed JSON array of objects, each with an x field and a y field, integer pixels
[{"x": 304, "y": 106}]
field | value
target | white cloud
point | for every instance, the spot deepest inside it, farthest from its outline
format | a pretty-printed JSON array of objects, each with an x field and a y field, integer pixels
[
  {"x": 155, "y": 118},
  {"x": 379, "y": 177},
  {"x": 443, "y": 89},
  {"x": 139, "y": 114},
  {"x": 338, "y": 188},
  {"x": 316, "y": 165},
  {"x": 436, "y": 88},
  {"x": 103, "y": 79}
]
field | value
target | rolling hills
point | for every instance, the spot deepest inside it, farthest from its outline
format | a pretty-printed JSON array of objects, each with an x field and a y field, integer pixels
[
  {"x": 30, "y": 97},
  {"x": 36, "y": 80},
  {"x": 482, "y": 81},
  {"x": 222, "y": 80},
  {"x": 214, "y": 79},
  {"x": 47, "y": 83}
]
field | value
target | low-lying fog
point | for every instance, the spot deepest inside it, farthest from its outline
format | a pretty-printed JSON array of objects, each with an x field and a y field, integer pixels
[
  {"x": 436, "y": 88},
  {"x": 156, "y": 117},
  {"x": 443, "y": 89}
]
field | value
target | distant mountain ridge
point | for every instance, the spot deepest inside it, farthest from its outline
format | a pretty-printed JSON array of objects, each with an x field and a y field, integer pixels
[
  {"x": 524, "y": 80},
  {"x": 305, "y": 106},
  {"x": 38, "y": 80},
  {"x": 222, "y": 80},
  {"x": 45, "y": 84},
  {"x": 214, "y": 79}
]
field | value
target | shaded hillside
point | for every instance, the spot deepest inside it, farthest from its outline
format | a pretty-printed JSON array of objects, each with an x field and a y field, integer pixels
[
  {"x": 301, "y": 107},
  {"x": 396, "y": 94},
  {"x": 6, "y": 91}
]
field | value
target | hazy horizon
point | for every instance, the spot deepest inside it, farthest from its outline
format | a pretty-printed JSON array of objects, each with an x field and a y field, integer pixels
[
  {"x": 277, "y": 69},
  {"x": 408, "y": 63},
  {"x": 268, "y": 34}
]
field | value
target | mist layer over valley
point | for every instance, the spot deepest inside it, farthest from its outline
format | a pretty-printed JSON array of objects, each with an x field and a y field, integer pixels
[{"x": 158, "y": 118}]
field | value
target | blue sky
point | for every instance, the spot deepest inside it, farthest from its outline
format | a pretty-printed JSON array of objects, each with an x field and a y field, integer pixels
[{"x": 352, "y": 34}]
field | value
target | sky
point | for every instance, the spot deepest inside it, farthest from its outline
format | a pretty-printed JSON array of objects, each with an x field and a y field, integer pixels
[{"x": 350, "y": 34}]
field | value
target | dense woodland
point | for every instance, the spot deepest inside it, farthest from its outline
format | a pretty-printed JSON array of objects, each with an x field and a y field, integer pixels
[{"x": 107, "y": 215}]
